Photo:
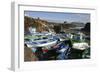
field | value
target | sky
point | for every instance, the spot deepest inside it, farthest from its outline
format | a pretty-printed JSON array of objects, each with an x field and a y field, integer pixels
[{"x": 59, "y": 16}]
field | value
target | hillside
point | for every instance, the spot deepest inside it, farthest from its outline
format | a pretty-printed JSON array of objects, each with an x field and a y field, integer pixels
[
  {"x": 46, "y": 26},
  {"x": 39, "y": 24}
]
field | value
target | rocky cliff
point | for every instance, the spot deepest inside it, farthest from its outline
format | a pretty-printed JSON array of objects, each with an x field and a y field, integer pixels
[
  {"x": 46, "y": 26},
  {"x": 40, "y": 25}
]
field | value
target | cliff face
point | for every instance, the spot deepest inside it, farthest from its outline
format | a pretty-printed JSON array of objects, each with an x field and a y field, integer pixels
[
  {"x": 45, "y": 26},
  {"x": 86, "y": 29},
  {"x": 39, "y": 24}
]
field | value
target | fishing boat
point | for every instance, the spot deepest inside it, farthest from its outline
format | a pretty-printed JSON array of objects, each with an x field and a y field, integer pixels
[{"x": 39, "y": 40}]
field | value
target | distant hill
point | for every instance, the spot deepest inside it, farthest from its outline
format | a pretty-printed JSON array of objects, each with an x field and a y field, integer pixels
[{"x": 78, "y": 24}]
